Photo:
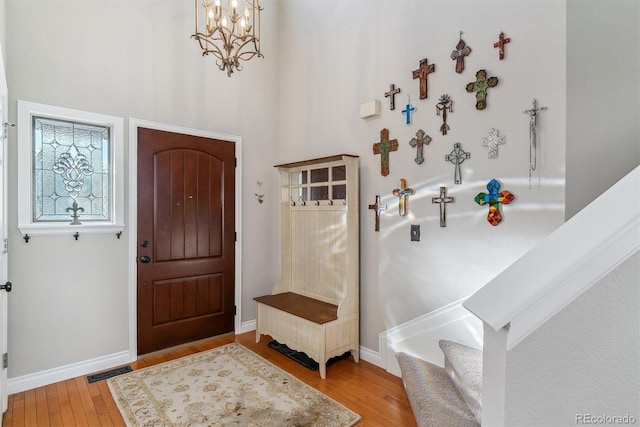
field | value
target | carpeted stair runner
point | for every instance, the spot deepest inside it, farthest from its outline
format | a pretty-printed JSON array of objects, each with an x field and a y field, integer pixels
[{"x": 449, "y": 396}]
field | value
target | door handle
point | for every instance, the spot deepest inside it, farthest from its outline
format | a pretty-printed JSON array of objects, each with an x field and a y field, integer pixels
[
  {"x": 145, "y": 259},
  {"x": 7, "y": 286}
]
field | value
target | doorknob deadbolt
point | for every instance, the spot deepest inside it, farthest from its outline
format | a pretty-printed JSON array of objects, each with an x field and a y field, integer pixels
[
  {"x": 145, "y": 259},
  {"x": 144, "y": 243},
  {"x": 7, "y": 287}
]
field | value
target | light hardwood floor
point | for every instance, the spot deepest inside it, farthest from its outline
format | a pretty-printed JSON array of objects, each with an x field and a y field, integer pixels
[{"x": 376, "y": 395}]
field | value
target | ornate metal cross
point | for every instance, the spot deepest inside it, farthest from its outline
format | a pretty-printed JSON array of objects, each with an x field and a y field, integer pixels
[
  {"x": 492, "y": 141},
  {"x": 408, "y": 112},
  {"x": 457, "y": 156},
  {"x": 502, "y": 40},
  {"x": 378, "y": 207},
  {"x": 459, "y": 53},
  {"x": 421, "y": 73},
  {"x": 392, "y": 96},
  {"x": 443, "y": 200},
  {"x": 445, "y": 104},
  {"x": 403, "y": 194},
  {"x": 493, "y": 198},
  {"x": 420, "y": 141},
  {"x": 384, "y": 147},
  {"x": 533, "y": 137},
  {"x": 480, "y": 87}
]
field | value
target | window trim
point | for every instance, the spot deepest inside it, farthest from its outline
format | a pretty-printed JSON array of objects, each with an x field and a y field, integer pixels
[{"x": 26, "y": 225}]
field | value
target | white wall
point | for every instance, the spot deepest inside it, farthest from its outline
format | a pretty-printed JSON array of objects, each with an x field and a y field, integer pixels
[
  {"x": 582, "y": 361},
  {"x": 603, "y": 96},
  {"x": 129, "y": 59},
  {"x": 338, "y": 54}
]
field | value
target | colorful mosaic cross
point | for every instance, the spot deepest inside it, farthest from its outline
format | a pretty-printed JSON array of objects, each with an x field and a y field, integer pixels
[
  {"x": 494, "y": 199},
  {"x": 420, "y": 141},
  {"x": 443, "y": 200},
  {"x": 457, "y": 156},
  {"x": 502, "y": 40},
  {"x": 378, "y": 207},
  {"x": 384, "y": 147},
  {"x": 403, "y": 194},
  {"x": 421, "y": 73},
  {"x": 459, "y": 53},
  {"x": 492, "y": 141},
  {"x": 444, "y": 104},
  {"x": 480, "y": 87},
  {"x": 392, "y": 96}
]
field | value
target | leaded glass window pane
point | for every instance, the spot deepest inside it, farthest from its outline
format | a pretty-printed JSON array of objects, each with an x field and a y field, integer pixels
[{"x": 72, "y": 170}]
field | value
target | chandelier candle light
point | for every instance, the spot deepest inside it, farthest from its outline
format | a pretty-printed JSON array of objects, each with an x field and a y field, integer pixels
[{"x": 225, "y": 31}]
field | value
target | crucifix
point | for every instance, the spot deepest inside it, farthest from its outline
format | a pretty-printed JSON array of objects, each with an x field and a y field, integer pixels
[
  {"x": 403, "y": 194},
  {"x": 378, "y": 207},
  {"x": 443, "y": 200},
  {"x": 421, "y": 73},
  {"x": 494, "y": 199},
  {"x": 457, "y": 156},
  {"x": 392, "y": 96},
  {"x": 445, "y": 104},
  {"x": 384, "y": 147},
  {"x": 492, "y": 141},
  {"x": 459, "y": 53},
  {"x": 502, "y": 40},
  {"x": 533, "y": 137},
  {"x": 420, "y": 141},
  {"x": 408, "y": 110},
  {"x": 480, "y": 87}
]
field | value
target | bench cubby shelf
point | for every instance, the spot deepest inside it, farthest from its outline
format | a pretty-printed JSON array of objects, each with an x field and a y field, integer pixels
[{"x": 314, "y": 307}]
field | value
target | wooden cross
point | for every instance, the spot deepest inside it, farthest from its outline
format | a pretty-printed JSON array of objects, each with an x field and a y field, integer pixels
[
  {"x": 480, "y": 87},
  {"x": 443, "y": 200},
  {"x": 408, "y": 110},
  {"x": 384, "y": 147},
  {"x": 500, "y": 44},
  {"x": 378, "y": 207},
  {"x": 445, "y": 104},
  {"x": 392, "y": 96},
  {"x": 403, "y": 194},
  {"x": 457, "y": 156},
  {"x": 458, "y": 55},
  {"x": 494, "y": 199},
  {"x": 421, "y": 73},
  {"x": 420, "y": 141}
]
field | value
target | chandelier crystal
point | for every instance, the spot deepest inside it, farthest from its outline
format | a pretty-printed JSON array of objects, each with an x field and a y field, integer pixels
[{"x": 228, "y": 33}]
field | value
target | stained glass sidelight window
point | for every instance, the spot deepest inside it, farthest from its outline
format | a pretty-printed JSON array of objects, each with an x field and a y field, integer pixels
[{"x": 71, "y": 171}]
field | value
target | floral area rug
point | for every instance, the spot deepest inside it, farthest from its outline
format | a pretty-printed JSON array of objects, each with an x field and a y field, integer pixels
[{"x": 226, "y": 386}]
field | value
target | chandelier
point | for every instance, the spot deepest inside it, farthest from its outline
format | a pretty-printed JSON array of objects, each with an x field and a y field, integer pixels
[{"x": 227, "y": 32}]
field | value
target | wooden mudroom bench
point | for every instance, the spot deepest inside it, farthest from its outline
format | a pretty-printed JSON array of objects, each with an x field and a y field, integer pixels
[{"x": 314, "y": 308}]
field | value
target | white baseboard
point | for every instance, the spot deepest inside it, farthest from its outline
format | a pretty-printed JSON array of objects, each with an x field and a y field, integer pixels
[
  {"x": 63, "y": 373},
  {"x": 247, "y": 326}
]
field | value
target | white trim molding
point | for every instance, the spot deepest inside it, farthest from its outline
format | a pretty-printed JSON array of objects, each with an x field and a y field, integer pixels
[{"x": 134, "y": 124}]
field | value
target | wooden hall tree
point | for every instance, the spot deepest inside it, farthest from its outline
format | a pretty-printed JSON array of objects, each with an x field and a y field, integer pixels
[{"x": 314, "y": 308}]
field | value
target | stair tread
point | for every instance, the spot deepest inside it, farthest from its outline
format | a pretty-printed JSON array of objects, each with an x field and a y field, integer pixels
[{"x": 463, "y": 365}]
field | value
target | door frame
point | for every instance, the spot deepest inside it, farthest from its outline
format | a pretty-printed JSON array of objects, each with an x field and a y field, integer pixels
[{"x": 134, "y": 124}]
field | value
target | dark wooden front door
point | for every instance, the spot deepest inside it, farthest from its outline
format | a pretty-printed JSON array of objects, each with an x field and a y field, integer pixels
[{"x": 186, "y": 238}]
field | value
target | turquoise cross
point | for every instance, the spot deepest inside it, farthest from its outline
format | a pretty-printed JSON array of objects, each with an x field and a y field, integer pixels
[{"x": 408, "y": 111}]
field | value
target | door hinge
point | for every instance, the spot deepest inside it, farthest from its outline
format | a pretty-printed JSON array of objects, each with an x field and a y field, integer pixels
[
  {"x": 235, "y": 162},
  {"x": 5, "y": 361},
  {"x": 235, "y": 236},
  {"x": 235, "y": 310},
  {"x": 6, "y": 246}
]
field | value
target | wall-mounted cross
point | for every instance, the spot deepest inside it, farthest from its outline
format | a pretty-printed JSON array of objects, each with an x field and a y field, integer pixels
[
  {"x": 480, "y": 87},
  {"x": 492, "y": 142},
  {"x": 445, "y": 104},
  {"x": 459, "y": 53},
  {"x": 378, "y": 207},
  {"x": 392, "y": 96},
  {"x": 457, "y": 156},
  {"x": 384, "y": 147},
  {"x": 421, "y": 73},
  {"x": 493, "y": 198},
  {"x": 408, "y": 112},
  {"x": 502, "y": 40},
  {"x": 420, "y": 141},
  {"x": 443, "y": 200},
  {"x": 403, "y": 194}
]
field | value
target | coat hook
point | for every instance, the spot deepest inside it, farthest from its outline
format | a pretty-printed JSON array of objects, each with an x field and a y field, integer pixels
[
  {"x": 26, "y": 238},
  {"x": 118, "y": 234},
  {"x": 76, "y": 235},
  {"x": 317, "y": 202}
]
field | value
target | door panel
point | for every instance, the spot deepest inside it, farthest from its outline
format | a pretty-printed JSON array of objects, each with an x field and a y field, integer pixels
[{"x": 186, "y": 202}]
